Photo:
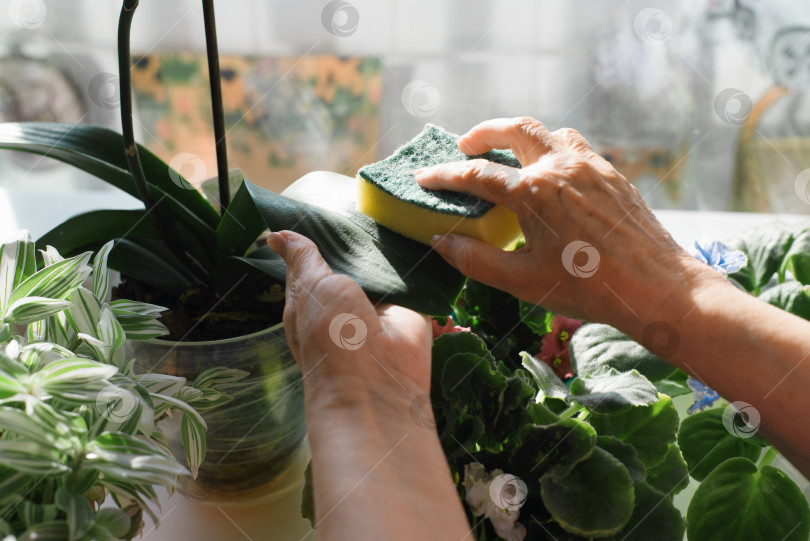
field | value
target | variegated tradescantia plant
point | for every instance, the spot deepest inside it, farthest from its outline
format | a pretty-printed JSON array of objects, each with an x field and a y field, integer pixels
[{"x": 77, "y": 422}]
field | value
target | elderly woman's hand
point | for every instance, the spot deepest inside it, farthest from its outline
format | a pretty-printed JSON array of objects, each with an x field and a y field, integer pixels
[
  {"x": 593, "y": 248},
  {"x": 341, "y": 340}
]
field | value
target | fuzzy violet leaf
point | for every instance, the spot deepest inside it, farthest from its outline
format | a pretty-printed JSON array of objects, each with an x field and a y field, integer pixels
[
  {"x": 766, "y": 248},
  {"x": 613, "y": 391},
  {"x": 387, "y": 265},
  {"x": 739, "y": 501},
  {"x": 595, "y": 498},
  {"x": 706, "y": 442},
  {"x": 654, "y": 517},
  {"x": 789, "y": 296},
  {"x": 650, "y": 429},
  {"x": 595, "y": 349}
]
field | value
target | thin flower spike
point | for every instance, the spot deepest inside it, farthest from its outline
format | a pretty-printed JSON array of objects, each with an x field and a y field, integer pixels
[
  {"x": 704, "y": 397},
  {"x": 719, "y": 256}
]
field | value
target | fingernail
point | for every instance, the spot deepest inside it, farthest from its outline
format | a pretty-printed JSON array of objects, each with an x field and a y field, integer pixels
[
  {"x": 445, "y": 240},
  {"x": 277, "y": 242}
]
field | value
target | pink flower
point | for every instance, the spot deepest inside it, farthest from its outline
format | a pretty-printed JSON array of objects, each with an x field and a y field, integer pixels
[
  {"x": 448, "y": 327},
  {"x": 554, "y": 345}
]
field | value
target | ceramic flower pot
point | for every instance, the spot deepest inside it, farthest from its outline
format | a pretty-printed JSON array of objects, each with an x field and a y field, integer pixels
[{"x": 255, "y": 441}]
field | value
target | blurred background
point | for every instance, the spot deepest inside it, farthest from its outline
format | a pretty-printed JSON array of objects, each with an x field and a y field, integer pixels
[{"x": 700, "y": 103}]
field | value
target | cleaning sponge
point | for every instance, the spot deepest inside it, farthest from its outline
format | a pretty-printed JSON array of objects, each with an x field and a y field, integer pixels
[{"x": 389, "y": 194}]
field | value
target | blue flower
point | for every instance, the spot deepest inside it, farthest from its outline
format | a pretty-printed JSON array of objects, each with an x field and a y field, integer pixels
[
  {"x": 719, "y": 256},
  {"x": 704, "y": 397}
]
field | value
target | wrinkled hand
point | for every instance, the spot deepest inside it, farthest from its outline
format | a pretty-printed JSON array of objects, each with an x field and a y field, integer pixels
[
  {"x": 593, "y": 249},
  {"x": 341, "y": 340}
]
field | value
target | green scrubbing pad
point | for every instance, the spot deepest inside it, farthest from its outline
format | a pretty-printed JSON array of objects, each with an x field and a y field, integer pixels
[{"x": 388, "y": 192}]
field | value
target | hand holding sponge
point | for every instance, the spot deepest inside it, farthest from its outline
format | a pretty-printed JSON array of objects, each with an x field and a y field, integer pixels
[{"x": 389, "y": 194}]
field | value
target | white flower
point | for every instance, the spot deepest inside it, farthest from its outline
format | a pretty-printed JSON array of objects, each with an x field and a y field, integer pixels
[{"x": 504, "y": 520}]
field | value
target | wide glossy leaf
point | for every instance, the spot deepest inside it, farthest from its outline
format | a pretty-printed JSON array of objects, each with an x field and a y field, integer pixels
[
  {"x": 240, "y": 225},
  {"x": 654, "y": 517},
  {"x": 90, "y": 230},
  {"x": 789, "y": 296},
  {"x": 17, "y": 262},
  {"x": 100, "y": 152},
  {"x": 737, "y": 501},
  {"x": 593, "y": 499},
  {"x": 650, "y": 429},
  {"x": 613, "y": 391},
  {"x": 146, "y": 266},
  {"x": 705, "y": 443},
  {"x": 596, "y": 348},
  {"x": 388, "y": 266}
]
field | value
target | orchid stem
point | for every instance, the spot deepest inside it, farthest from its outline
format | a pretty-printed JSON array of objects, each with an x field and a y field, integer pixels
[{"x": 216, "y": 104}]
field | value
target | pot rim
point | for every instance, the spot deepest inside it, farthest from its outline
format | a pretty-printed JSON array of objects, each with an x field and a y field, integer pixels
[{"x": 175, "y": 343}]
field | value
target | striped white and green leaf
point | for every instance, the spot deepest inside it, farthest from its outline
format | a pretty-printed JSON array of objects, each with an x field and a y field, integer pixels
[
  {"x": 17, "y": 263},
  {"x": 56, "y": 281},
  {"x": 193, "y": 431},
  {"x": 101, "y": 276},
  {"x": 219, "y": 375}
]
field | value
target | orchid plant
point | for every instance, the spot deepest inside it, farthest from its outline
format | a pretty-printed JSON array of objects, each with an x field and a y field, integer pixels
[{"x": 78, "y": 421}]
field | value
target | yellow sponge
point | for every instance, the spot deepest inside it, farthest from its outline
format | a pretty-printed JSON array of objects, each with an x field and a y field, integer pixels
[{"x": 389, "y": 194}]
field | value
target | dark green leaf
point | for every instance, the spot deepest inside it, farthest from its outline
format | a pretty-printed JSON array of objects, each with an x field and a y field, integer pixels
[
  {"x": 115, "y": 520},
  {"x": 766, "y": 248},
  {"x": 596, "y": 348},
  {"x": 650, "y": 429},
  {"x": 147, "y": 266},
  {"x": 100, "y": 152},
  {"x": 626, "y": 453},
  {"x": 239, "y": 226},
  {"x": 535, "y": 317},
  {"x": 654, "y": 517},
  {"x": 671, "y": 476},
  {"x": 674, "y": 385},
  {"x": 705, "y": 443},
  {"x": 559, "y": 445},
  {"x": 92, "y": 229},
  {"x": 789, "y": 296},
  {"x": 80, "y": 515},
  {"x": 388, "y": 266},
  {"x": 595, "y": 498},
  {"x": 737, "y": 501}
]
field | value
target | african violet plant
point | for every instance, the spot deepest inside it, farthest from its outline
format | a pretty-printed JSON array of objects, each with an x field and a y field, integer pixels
[
  {"x": 77, "y": 422},
  {"x": 603, "y": 454}
]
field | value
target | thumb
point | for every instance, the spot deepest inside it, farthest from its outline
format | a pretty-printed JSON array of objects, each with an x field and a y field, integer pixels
[
  {"x": 476, "y": 259},
  {"x": 304, "y": 261}
]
